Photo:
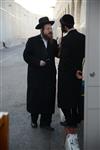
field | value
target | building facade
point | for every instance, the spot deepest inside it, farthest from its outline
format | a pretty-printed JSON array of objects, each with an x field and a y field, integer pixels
[{"x": 77, "y": 8}]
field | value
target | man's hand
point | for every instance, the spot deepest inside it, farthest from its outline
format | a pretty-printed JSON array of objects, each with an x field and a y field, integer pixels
[
  {"x": 79, "y": 74},
  {"x": 42, "y": 63}
]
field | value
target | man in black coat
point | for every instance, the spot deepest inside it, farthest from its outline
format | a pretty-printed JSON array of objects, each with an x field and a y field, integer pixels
[
  {"x": 69, "y": 71},
  {"x": 40, "y": 55}
]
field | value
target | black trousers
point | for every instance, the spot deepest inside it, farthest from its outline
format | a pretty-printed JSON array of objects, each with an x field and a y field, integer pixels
[
  {"x": 75, "y": 115},
  {"x": 71, "y": 115},
  {"x": 45, "y": 119},
  {"x": 81, "y": 109}
]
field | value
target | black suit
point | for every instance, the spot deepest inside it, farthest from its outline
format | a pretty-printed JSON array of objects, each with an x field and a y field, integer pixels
[
  {"x": 69, "y": 87},
  {"x": 41, "y": 80}
]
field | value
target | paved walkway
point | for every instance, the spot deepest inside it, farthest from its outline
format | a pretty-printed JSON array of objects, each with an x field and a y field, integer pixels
[{"x": 13, "y": 99}]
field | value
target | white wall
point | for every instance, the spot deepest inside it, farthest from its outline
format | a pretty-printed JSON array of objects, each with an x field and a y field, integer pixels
[
  {"x": 16, "y": 23},
  {"x": 75, "y": 7},
  {"x": 92, "y": 76}
]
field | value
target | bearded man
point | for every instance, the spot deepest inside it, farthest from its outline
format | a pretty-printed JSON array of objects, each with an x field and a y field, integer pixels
[{"x": 40, "y": 54}]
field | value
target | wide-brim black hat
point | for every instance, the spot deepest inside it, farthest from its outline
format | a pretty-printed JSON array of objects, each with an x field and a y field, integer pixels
[{"x": 43, "y": 21}]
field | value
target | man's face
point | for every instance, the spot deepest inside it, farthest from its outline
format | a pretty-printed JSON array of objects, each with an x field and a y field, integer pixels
[{"x": 47, "y": 31}]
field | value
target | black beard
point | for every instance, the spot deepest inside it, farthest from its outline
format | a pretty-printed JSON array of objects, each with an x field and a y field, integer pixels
[{"x": 63, "y": 28}]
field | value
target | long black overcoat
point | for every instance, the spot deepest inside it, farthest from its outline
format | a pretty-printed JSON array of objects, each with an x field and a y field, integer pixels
[
  {"x": 72, "y": 53},
  {"x": 41, "y": 81}
]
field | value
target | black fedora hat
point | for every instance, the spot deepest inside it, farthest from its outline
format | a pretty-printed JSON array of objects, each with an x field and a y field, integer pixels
[{"x": 43, "y": 21}]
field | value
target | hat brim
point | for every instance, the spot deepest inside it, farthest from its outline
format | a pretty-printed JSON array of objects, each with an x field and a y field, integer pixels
[{"x": 39, "y": 26}]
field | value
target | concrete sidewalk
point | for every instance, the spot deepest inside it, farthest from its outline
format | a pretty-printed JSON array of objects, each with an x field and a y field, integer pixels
[
  {"x": 13, "y": 95},
  {"x": 13, "y": 99}
]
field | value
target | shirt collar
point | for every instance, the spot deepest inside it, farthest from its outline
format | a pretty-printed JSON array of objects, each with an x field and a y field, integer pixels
[
  {"x": 44, "y": 40},
  {"x": 71, "y": 30}
]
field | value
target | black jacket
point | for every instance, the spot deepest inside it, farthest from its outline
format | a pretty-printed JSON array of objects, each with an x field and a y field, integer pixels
[
  {"x": 72, "y": 54},
  {"x": 41, "y": 80}
]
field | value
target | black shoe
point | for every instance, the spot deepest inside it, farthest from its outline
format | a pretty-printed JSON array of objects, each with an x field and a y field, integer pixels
[
  {"x": 64, "y": 123},
  {"x": 49, "y": 128},
  {"x": 34, "y": 125},
  {"x": 69, "y": 125},
  {"x": 73, "y": 126}
]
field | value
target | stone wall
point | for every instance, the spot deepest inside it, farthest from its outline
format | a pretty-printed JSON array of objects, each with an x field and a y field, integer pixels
[{"x": 16, "y": 23}]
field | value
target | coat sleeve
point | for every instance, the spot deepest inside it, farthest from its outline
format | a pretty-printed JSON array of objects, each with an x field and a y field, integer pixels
[
  {"x": 82, "y": 55},
  {"x": 28, "y": 55},
  {"x": 56, "y": 49}
]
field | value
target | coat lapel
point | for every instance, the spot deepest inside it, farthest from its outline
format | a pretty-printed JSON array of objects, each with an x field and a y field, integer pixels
[
  {"x": 43, "y": 48},
  {"x": 41, "y": 42},
  {"x": 47, "y": 52}
]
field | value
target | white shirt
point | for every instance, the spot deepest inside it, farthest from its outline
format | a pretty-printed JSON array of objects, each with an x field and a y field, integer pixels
[
  {"x": 69, "y": 31},
  {"x": 45, "y": 41}
]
